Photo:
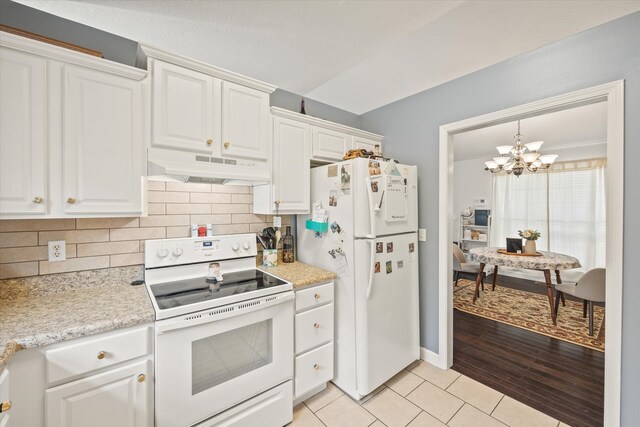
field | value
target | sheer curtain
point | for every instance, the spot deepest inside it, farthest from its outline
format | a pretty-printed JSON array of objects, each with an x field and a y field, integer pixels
[{"x": 566, "y": 204}]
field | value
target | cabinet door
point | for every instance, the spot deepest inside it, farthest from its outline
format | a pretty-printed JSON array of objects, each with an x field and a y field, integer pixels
[
  {"x": 4, "y": 397},
  {"x": 183, "y": 108},
  {"x": 119, "y": 397},
  {"x": 329, "y": 144},
  {"x": 291, "y": 168},
  {"x": 367, "y": 144},
  {"x": 102, "y": 140},
  {"x": 22, "y": 133},
  {"x": 245, "y": 127}
]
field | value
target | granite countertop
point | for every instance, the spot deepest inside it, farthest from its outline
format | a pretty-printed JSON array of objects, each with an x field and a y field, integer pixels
[
  {"x": 41, "y": 310},
  {"x": 300, "y": 274}
]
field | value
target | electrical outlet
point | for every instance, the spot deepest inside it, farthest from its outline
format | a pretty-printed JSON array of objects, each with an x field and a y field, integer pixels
[
  {"x": 57, "y": 250},
  {"x": 422, "y": 234}
]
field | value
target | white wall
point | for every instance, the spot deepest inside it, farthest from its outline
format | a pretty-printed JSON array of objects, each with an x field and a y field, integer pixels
[{"x": 470, "y": 182}]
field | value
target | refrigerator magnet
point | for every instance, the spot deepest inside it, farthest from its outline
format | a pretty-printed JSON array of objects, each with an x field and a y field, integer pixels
[
  {"x": 389, "y": 267},
  {"x": 374, "y": 167},
  {"x": 389, "y": 247},
  {"x": 333, "y": 198},
  {"x": 345, "y": 179},
  {"x": 400, "y": 264},
  {"x": 377, "y": 267},
  {"x": 335, "y": 227},
  {"x": 332, "y": 171},
  {"x": 379, "y": 247},
  {"x": 412, "y": 248},
  {"x": 374, "y": 186}
]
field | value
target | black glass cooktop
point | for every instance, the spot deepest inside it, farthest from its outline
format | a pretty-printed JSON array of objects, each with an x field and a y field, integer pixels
[{"x": 191, "y": 291}]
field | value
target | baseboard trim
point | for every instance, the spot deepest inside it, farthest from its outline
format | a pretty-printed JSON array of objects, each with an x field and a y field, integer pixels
[{"x": 430, "y": 357}]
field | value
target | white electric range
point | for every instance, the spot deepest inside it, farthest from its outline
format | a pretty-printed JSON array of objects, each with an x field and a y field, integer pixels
[{"x": 224, "y": 349}]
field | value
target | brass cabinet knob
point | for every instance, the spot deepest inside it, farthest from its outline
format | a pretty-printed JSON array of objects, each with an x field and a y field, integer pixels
[
  {"x": 227, "y": 144},
  {"x": 5, "y": 406},
  {"x": 141, "y": 378},
  {"x": 209, "y": 141},
  {"x": 101, "y": 355},
  {"x": 71, "y": 200},
  {"x": 316, "y": 366},
  {"x": 277, "y": 202},
  {"x": 37, "y": 199},
  {"x": 317, "y": 296},
  {"x": 316, "y": 325}
]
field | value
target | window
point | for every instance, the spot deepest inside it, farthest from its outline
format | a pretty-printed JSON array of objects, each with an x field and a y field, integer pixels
[{"x": 566, "y": 204}]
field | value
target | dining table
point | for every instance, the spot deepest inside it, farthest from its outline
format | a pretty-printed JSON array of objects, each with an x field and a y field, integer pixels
[{"x": 541, "y": 261}]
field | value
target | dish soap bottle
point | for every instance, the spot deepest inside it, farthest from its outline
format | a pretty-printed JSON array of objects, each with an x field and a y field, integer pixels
[{"x": 287, "y": 246}]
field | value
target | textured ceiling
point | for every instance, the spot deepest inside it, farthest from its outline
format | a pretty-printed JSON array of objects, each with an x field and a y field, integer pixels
[{"x": 355, "y": 55}]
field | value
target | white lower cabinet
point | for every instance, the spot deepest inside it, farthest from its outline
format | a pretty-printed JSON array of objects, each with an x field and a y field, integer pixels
[
  {"x": 314, "y": 331},
  {"x": 104, "y": 380},
  {"x": 5, "y": 401},
  {"x": 117, "y": 397}
]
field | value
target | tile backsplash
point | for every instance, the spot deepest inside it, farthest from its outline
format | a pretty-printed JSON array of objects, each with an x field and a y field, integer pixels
[{"x": 94, "y": 243}]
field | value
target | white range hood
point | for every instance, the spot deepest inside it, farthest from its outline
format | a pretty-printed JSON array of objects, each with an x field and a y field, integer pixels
[{"x": 190, "y": 167}]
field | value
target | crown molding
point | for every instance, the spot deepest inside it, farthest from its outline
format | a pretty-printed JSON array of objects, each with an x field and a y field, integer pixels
[
  {"x": 57, "y": 53},
  {"x": 194, "y": 64},
  {"x": 288, "y": 114}
]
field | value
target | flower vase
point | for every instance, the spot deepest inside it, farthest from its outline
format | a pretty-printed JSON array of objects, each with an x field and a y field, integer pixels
[{"x": 529, "y": 247}]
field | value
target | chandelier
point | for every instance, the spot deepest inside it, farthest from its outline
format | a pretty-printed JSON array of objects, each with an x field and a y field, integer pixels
[{"x": 516, "y": 159}]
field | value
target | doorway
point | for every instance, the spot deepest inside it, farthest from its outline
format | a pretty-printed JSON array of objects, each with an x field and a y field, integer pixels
[{"x": 613, "y": 94}]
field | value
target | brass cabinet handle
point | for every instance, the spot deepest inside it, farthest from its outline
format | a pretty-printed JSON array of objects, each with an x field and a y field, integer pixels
[
  {"x": 71, "y": 200},
  {"x": 5, "y": 406},
  {"x": 101, "y": 355},
  {"x": 316, "y": 366},
  {"x": 209, "y": 141},
  {"x": 227, "y": 144},
  {"x": 316, "y": 325},
  {"x": 141, "y": 378},
  {"x": 317, "y": 296},
  {"x": 37, "y": 199}
]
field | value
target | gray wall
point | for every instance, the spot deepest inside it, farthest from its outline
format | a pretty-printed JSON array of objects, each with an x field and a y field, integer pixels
[
  {"x": 114, "y": 48},
  {"x": 410, "y": 126}
]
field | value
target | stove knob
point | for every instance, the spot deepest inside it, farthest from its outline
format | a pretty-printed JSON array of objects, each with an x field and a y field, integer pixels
[
  {"x": 176, "y": 252},
  {"x": 246, "y": 246},
  {"x": 162, "y": 252},
  {"x": 235, "y": 247}
]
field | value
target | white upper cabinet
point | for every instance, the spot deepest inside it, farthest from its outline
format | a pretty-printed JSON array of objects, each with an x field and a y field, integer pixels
[
  {"x": 329, "y": 144},
  {"x": 291, "y": 156},
  {"x": 22, "y": 134},
  {"x": 71, "y": 133},
  {"x": 102, "y": 143},
  {"x": 183, "y": 108},
  {"x": 245, "y": 127}
]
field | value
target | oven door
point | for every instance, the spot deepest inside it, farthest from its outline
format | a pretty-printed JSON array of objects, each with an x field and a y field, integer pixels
[{"x": 209, "y": 361}]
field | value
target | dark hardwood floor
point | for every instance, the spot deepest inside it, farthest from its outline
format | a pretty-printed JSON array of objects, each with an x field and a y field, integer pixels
[{"x": 563, "y": 380}]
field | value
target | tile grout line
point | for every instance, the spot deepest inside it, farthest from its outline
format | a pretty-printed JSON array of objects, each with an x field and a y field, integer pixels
[{"x": 498, "y": 404}]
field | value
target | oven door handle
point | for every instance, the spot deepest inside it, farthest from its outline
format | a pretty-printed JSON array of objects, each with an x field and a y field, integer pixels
[{"x": 225, "y": 312}]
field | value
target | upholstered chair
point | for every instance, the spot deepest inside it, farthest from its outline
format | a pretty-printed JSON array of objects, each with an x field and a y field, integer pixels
[
  {"x": 590, "y": 288},
  {"x": 461, "y": 265}
]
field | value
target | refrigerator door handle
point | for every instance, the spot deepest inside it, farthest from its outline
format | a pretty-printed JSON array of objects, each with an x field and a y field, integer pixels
[
  {"x": 372, "y": 215},
  {"x": 372, "y": 246}
]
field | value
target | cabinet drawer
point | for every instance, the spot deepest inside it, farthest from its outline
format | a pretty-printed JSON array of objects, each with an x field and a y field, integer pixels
[
  {"x": 313, "y": 369},
  {"x": 313, "y": 327},
  {"x": 77, "y": 359},
  {"x": 314, "y": 297}
]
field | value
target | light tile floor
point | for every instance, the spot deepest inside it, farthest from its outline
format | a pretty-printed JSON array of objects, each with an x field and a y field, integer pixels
[{"x": 420, "y": 396}]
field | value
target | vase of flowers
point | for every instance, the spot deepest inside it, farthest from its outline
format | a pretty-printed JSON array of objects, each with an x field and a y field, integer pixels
[{"x": 530, "y": 236}]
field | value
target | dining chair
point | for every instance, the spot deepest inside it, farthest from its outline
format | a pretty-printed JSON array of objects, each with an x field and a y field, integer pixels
[
  {"x": 461, "y": 265},
  {"x": 589, "y": 288}
]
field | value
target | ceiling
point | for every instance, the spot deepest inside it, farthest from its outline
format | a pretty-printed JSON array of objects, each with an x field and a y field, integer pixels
[
  {"x": 354, "y": 55},
  {"x": 575, "y": 127}
]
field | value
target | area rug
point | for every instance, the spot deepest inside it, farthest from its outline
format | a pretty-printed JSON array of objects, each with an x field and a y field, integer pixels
[{"x": 530, "y": 311}]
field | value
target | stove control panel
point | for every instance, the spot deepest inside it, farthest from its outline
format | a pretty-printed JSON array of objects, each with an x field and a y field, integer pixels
[{"x": 170, "y": 252}]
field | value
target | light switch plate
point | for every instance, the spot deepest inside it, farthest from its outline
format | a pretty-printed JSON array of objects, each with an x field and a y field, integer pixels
[
  {"x": 57, "y": 250},
  {"x": 422, "y": 234}
]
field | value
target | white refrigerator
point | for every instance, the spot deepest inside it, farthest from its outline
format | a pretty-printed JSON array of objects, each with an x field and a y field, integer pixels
[{"x": 371, "y": 243}]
